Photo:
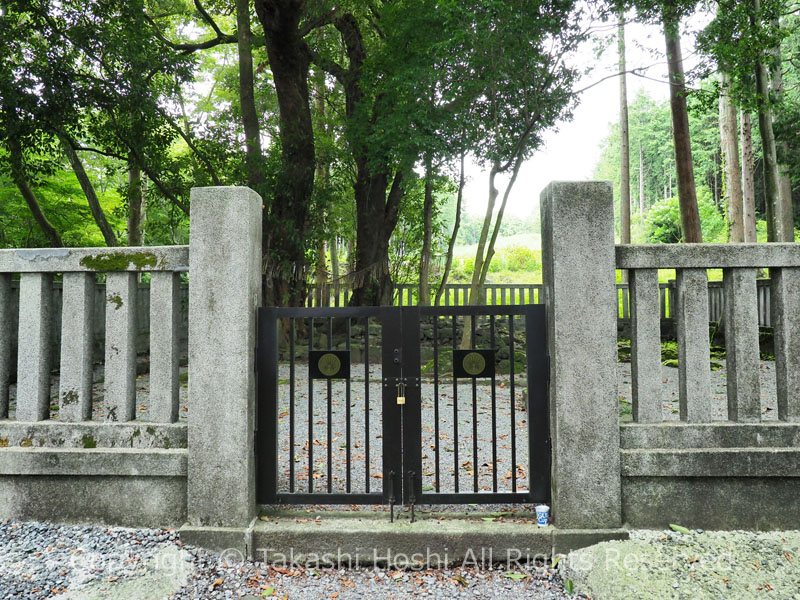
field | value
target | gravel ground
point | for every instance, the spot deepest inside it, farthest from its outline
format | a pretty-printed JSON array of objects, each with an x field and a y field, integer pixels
[
  {"x": 658, "y": 565},
  {"x": 39, "y": 560},
  {"x": 42, "y": 560},
  {"x": 669, "y": 391},
  {"x": 455, "y": 457},
  {"x": 98, "y": 393}
]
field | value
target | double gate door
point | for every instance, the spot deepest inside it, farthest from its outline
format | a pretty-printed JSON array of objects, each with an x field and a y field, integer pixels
[{"x": 411, "y": 405}]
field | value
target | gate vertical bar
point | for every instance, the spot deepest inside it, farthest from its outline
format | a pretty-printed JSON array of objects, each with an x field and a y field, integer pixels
[
  {"x": 292, "y": 334},
  {"x": 329, "y": 432},
  {"x": 412, "y": 411},
  {"x": 513, "y": 407},
  {"x": 455, "y": 410},
  {"x": 310, "y": 413},
  {"x": 267, "y": 407},
  {"x": 392, "y": 359},
  {"x": 366, "y": 404},
  {"x": 436, "y": 440},
  {"x": 475, "y": 463}
]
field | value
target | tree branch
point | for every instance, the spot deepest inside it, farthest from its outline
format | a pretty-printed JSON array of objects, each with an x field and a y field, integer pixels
[
  {"x": 186, "y": 48},
  {"x": 191, "y": 144},
  {"x": 329, "y": 66},
  {"x": 311, "y": 25}
]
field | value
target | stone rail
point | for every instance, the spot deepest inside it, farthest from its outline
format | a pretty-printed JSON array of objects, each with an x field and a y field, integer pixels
[
  {"x": 34, "y": 321},
  {"x": 740, "y": 318}
]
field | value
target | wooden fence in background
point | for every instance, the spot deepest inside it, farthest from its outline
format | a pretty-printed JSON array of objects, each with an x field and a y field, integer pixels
[{"x": 456, "y": 294}]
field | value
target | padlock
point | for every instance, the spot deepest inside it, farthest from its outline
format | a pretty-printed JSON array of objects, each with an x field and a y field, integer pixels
[{"x": 401, "y": 393}]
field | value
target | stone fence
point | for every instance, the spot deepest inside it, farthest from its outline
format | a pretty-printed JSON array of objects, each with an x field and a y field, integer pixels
[
  {"x": 102, "y": 444},
  {"x": 91, "y": 450},
  {"x": 723, "y": 463}
]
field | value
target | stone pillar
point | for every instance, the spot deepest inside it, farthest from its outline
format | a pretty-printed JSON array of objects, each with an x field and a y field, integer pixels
[
  {"x": 224, "y": 292},
  {"x": 77, "y": 341},
  {"x": 578, "y": 268},
  {"x": 120, "y": 367},
  {"x": 5, "y": 341},
  {"x": 33, "y": 355},
  {"x": 165, "y": 310}
]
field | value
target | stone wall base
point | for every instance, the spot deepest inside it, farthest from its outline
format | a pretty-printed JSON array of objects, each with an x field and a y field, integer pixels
[{"x": 723, "y": 503}]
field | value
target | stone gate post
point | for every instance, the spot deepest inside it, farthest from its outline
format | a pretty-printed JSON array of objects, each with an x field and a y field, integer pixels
[
  {"x": 578, "y": 270},
  {"x": 224, "y": 292}
]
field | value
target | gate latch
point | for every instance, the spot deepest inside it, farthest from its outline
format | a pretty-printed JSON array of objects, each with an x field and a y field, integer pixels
[{"x": 401, "y": 393}]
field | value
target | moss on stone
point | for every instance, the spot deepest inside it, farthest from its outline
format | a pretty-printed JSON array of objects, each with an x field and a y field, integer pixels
[
  {"x": 70, "y": 397},
  {"x": 105, "y": 262},
  {"x": 116, "y": 300},
  {"x": 26, "y": 442},
  {"x": 89, "y": 442}
]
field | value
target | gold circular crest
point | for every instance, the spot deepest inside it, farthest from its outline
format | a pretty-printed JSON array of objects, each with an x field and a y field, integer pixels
[
  {"x": 474, "y": 363},
  {"x": 329, "y": 364}
]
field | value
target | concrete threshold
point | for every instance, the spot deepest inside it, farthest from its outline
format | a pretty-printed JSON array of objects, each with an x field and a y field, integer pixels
[{"x": 342, "y": 539}]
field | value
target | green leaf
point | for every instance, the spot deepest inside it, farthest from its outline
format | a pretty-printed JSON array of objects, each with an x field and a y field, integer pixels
[
  {"x": 427, "y": 488},
  {"x": 268, "y": 592},
  {"x": 556, "y": 561},
  {"x": 488, "y": 518},
  {"x": 679, "y": 528},
  {"x": 515, "y": 576},
  {"x": 568, "y": 587}
]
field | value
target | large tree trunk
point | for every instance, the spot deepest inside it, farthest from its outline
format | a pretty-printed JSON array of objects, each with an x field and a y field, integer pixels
[
  {"x": 784, "y": 181},
  {"x": 376, "y": 219},
  {"x": 427, "y": 233},
  {"x": 772, "y": 195},
  {"x": 452, "y": 243},
  {"x": 88, "y": 191},
  {"x": 624, "y": 144},
  {"x": 287, "y": 218},
  {"x": 687, "y": 195},
  {"x": 772, "y": 198},
  {"x": 136, "y": 207},
  {"x": 730, "y": 152},
  {"x": 377, "y": 203},
  {"x": 748, "y": 180},
  {"x": 252, "y": 130},
  {"x": 322, "y": 176}
]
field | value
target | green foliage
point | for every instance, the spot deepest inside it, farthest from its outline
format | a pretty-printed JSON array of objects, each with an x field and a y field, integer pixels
[
  {"x": 62, "y": 200},
  {"x": 663, "y": 221}
]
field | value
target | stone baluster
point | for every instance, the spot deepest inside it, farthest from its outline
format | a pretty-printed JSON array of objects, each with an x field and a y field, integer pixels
[
  {"x": 75, "y": 386},
  {"x": 33, "y": 356},
  {"x": 120, "y": 370},
  {"x": 694, "y": 359},
  {"x": 741, "y": 344},
  {"x": 645, "y": 345},
  {"x": 164, "y": 347}
]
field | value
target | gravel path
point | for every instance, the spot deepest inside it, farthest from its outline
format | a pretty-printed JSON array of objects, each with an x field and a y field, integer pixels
[
  {"x": 458, "y": 456},
  {"x": 660, "y": 565},
  {"x": 39, "y": 560},
  {"x": 669, "y": 391},
  {"x": 98, "y": 394}
]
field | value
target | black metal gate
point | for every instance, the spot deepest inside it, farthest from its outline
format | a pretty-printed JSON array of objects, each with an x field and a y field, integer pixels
[{"x": 412, "y": 405}]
